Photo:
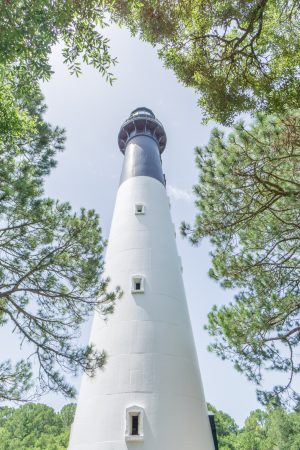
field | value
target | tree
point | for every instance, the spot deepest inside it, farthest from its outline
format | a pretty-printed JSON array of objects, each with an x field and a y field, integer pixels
[
  {"x": 247, "y": 199},
  {"x": 272, "y": 429},
  {"x": 254, "y": 434},
  {"x": 29, "y": 29},
  {"x": 67, "y": 414},
  {"x": 283, "y": 429},
  {"x": 240, "y": 56},
  {"x": 51, "y": 259},
  {"x": 226, "y": 428},
  {"x": 39, "y": 427},
  {"x": 35, "y": 427}
]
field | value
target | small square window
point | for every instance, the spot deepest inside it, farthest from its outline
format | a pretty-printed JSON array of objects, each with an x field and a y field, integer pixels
[
  {"x": 139, "y": 208},
  {"x": 134, "y": 424},
  {"x": 137, "y": 284}
]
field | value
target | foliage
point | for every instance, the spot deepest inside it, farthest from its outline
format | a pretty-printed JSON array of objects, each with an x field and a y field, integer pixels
[
  {"x": 35, "y": 427},
  {"x": 50, "y": 258},
  {"x": 248, "y": 205},
  {"x": 239, "y": 55},
  {"x": 254, "y": 434},
  {"x": 225, "y": 426},
  {"x": 30, "y": 28},
  {"x": 67, "y": 414},
  {"x": 38, "y": 427},
  {"x": 274, "y": 429}
]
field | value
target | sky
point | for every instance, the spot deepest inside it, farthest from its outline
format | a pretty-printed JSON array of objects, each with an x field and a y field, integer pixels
[{"x": 88, "y": 172}]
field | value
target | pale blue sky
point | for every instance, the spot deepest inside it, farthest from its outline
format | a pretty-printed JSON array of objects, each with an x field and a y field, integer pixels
[{"x": 88, "y": 172}]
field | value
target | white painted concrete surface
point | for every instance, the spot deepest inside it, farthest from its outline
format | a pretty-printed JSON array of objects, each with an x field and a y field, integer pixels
[{"x": 152, "y": 362}]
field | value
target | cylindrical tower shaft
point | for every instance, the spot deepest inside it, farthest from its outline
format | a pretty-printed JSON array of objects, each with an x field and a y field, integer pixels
[{"x": 149, "y": 396}]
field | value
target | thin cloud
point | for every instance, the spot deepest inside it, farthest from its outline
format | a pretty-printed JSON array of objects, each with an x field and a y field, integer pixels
[{"x": 180, "y": 194}]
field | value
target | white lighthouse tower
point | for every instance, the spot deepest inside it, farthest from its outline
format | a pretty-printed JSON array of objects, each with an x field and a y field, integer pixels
[{"x": 149, "y": 396}]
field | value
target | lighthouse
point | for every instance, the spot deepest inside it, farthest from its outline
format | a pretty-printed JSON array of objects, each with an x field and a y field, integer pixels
[{"x": 149, "y": 395}]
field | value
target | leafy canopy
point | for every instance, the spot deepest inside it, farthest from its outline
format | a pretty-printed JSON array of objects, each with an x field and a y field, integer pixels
[
  {"x": 268, "y": 430},
  {"x": 225, "y": 426},
  {"x": 39, "y": 427},
  {"x": 247, "y": 201},
  {"x": 29, "y": 29},
  {"x": 51, "y": 259},
  {"x": 239, "y": 55},
  {"x": 35, "y": 427}
]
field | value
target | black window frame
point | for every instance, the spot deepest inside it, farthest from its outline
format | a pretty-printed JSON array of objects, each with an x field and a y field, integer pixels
[{"x": 135, "y": 424}]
